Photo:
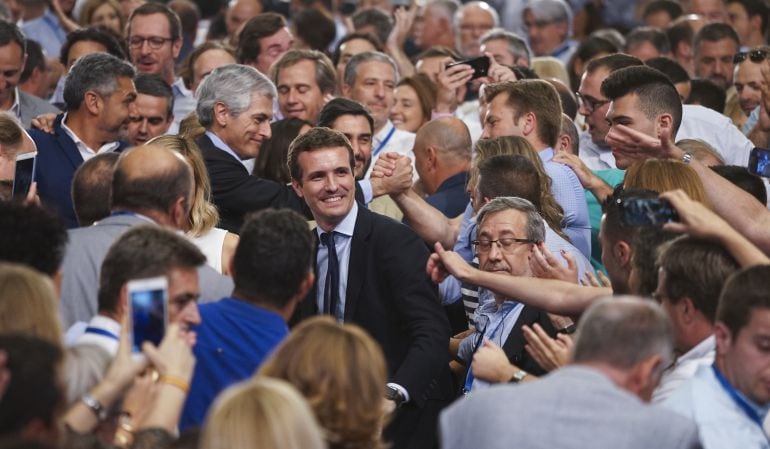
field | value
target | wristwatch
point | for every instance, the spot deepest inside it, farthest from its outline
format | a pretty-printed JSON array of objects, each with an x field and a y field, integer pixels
[
  {"x": 95, "y": 406},
  {"x": 395, "y": 395},
  {"x": 518, "y": 376}
]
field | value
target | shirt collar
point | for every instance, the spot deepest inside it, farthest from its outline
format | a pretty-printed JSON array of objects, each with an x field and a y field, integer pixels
[
  {"x": 106, "y": 323},
  {"x": 106, "y": 148},
  {"x": 219, "y": 143},
  {"x": 347, "y": 225},
  {"x": 700, "y": 350},
  {"x": 179, "y": 89},
  {"x": 16, "y": 107},
  {"x": 546, "y": 154},
  {"x": 383, "y": 133}
]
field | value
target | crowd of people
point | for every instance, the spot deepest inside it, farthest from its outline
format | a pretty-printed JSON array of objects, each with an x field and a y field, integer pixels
[{"x": 384, "y": 224}]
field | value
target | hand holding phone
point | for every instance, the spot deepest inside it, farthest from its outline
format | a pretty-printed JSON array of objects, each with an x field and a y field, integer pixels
[
  {"x": 480, "y": 66},
  {"x": 147, "y": 300},
  {"x": 647, "y": 212},
  {"x": 24, "y": 174}
]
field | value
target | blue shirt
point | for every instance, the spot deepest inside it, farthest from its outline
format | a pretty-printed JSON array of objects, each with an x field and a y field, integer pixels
[
  {"x": 233, "y": 339},
  {"x": 343, "y": 237},
  {"x": 47, "y": 31},
  {"x": 451, "y": 197}
]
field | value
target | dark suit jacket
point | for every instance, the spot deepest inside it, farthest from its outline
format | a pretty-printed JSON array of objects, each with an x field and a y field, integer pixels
[
  {"x": 389, "y": 295},
  {"x": 57, "y": 160}
]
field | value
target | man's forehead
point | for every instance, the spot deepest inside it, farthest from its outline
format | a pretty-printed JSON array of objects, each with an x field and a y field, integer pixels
[
  {"x": 503, "y": 220},
  {"x": 158, "y": 22}
]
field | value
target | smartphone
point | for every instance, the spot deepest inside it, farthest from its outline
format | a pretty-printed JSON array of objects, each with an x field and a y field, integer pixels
[
  {"x": 147, "y": 300},
  {"x": 24, "y": 174},
  {"x": 647, "y": 212},
  {"x": 759, "y": 162},
  {"x": 480, "y": 66}
]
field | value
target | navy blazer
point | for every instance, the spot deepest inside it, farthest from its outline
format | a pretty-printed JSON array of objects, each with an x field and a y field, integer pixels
[{"x": 57, "y": 159}]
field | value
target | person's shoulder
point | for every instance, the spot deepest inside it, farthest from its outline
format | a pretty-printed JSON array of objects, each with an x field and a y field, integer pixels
[{"x": 39, "y": 105}]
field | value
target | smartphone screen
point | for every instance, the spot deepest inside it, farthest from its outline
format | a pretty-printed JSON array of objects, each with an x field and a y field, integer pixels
[
  {"x": 148, "y": 311},
  {"x": 647, "y": 212},
  {"x": 759, "y": 162},
  {"x": 480, "y": 66},
  {"x": 24, "y": 174}
]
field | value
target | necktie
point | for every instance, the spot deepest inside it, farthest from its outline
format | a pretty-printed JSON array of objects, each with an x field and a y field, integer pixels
[{"x": 332, "y": 287}]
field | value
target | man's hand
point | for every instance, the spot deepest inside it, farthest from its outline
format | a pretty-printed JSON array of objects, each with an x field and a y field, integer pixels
[
  {"x": 393, "y": 177},
  {"x": 544, "y": 265},
  {"x": 638, "y": 146},
  {"x": 584, "y": 174},
  {"x": 549, "y": 353},
  {"x": 490, "y": 364},
  {"x": 497, "y": 73},
  {"x": 442, "y": 263},
  {"x": 402, "y": 26},
  {"x": 44, "y": 122},
  {"x": 449, "y": 81}
]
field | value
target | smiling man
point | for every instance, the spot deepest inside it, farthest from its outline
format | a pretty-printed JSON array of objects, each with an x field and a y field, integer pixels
[
  {"x": 305, "y": 80},
  {"x": 352, "y": 120},
  {"x": 154, "y": 109},
  {"x": 370, "y": 271}
]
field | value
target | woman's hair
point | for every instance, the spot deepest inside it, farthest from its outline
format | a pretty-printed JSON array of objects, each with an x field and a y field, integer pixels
[
  {"x": 550, "y": 67},
  {"x": 261, "y": 413},
  {"x": 90, "y": 6},
  {"x": 552, "y": 212},
  {"x": 203, "y": 214},
  {"x": 662, "y": 175},
  {"x": 271, "y": 161},
  {"x": 28, "y": 304},
  {"x": 426, "y": 90},
  {"x": 190, "y": 127},
  {"x": 341, "y": 372}
]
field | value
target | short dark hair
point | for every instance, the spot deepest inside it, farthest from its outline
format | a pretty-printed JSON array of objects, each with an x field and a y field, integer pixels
[
  {"x": 714, "y": 32},
  {"x": 644, "y": 257},
  {"x": 672, "y": 8},
  {"x": 314, "y": 28},
  {"x": 587, "y": 50},
  {"x": 744, "y": 292},
  {"x": 316, "y": 139},
  {"x": 150, "y": 8},
  {"x": 655, "y": 93},
  {"x": 273, "y": 257},
  {"x": 369, "y": 37},
  {"x": 509, "y": 175},
  {"x": 93, "y": 34},
  {"x": 338, "y": 107},
  {"x": 654, "y": 36},
  {"x": 672, "y": 69},
  {"x": 9, "y": 33},
  {"x": 755, "y": 8},
  {"x": 744, "y": 179},
  {"x": 92, "y": 188},
  {"x": 613, "y": 62},
  {"x": 678, "y": 33},
  {"x": 35, "y": 60},
  {"x": 262, "y": 25},
  {"x": 707, "y": 93},
  {"x": 187, "y": 70},
  {"x": 696, "y": 269},
  {"x": 156, "y": 192},
  {"x": 32, "y": 236},
  {"x": 33, "y": 392},
  {"x": 144, "y": 251},
  {"x": 375, "y": 17},
  {"x": 154, "y": 85},
  {"x": 96, "y": 71},
  {"x": 536, "y": 96}
]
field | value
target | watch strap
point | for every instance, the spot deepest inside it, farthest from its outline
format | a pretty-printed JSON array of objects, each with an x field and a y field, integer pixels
[{"x": 95, "y": 406}]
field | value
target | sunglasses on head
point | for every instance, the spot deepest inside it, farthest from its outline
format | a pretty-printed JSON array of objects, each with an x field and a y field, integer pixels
[{"x": 758, "y": 55}]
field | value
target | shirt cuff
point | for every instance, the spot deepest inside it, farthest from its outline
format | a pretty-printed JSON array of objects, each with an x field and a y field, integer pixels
[
  {"x": 401, "y": 389},
  {"x": 366, "y": 190}
]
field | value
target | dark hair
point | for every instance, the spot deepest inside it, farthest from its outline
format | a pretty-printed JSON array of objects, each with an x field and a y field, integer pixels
[
  {"x": 316, "y": 139},
  {"x": 672, "y": 8},
  {"x": 32, "y": 236},
  {"x": 742, "y": 178},
  {"x": 189, "y": 15},
  {"x": 713, "y": 32},
  {"x": 92, "y": 34},
  {"x": 369, "y": 37},
  {"x": 96, "y": 71},
  {"x": 743, "y": 292},
  {"x": 655, "y": 93},
  {"x": 672, "y": 69},
  {"x": 696, "y": 269},
  {"x": 376, "y": 18},
  {"x": 614, "y": 228},
  {"x": 154, "y": 85},
  {"x": 262, "y": 25},
  {"x": 586, "y": 51},
  {"x": 613, "y": 62},
  {"x": 144, "y": 251},
  {"x": 187, "y": 71},
  {"x": 568, "y": 101},
  {"x": 654, "y": 36},
  {"x": 157, "y": 191},
  {"x": 150, "y": 8},
  {"x": 272, "y": 158},
  {"x": 509, "y": 175},
  {"x": 755, "y": 8},
  {"x": 33, "y": 391},
  {"x": 9, "y": 33},
  {"x": 273, "y": 257},
  {"x": 707, "y": 93},
  {"x": 314, "y": 28},
  {"x": 92, "y": 188},
  {"x": 678, "y": 33},
  {"x": 644, "y": 257},
  {"x": 338, "y": 107},
  {"x": 35, "y": 60}
]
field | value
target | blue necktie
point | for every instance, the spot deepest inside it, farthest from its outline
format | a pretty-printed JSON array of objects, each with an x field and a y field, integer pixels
[{"x": 332, "y": 287}]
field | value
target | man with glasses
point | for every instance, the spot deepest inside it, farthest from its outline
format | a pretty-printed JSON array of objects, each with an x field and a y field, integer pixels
[
  {"x": 154, "y": 42},
  {"x": 471, "y": 22},
  {"x": 549, "y": 29}
]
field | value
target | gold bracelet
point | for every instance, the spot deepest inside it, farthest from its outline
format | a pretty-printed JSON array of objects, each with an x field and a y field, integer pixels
[{"x": 175, "y": 381}]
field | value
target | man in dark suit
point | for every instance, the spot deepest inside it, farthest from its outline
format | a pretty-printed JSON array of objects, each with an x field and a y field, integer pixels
[
  {"x": 370, "y": 271},
  {"x": 99, "y": 93}
]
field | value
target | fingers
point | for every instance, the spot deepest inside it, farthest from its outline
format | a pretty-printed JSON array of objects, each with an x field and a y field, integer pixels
[
  {"x": 604, "y": 279},
  {"x": 570, "y": 259}
]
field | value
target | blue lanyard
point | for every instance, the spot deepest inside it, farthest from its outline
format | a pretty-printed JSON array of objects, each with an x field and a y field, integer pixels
[
  {"x": 469, "y": 376},
  {"x": 745, "y": 406},
  {"x": 102, "y": 332},
  {"x": 385, "y": 141}
]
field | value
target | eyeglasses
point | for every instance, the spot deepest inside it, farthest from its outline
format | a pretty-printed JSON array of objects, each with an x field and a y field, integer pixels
[
  {"x": 156, "y": 42},
  {"x": 757, "y": 55},
  {"x": 506, "y": 245},
  {"x": 590, "y": 104}
]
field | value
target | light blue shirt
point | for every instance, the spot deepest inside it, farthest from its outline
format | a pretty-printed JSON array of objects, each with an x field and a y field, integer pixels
[
  {"x": 343, "y": 237},
  {"x": 184, "y": 103},
  {"x": 47, "y": 31}
]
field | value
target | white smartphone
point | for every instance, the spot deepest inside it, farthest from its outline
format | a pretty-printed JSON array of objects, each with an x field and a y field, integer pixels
[
  {"x": 24, "y": 174},
  {"x": 147, "y": 299}
]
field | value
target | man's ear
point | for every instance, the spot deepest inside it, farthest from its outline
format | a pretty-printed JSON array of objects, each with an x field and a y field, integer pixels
[
  {"x": 346, "y": 90},
  {"x": 122, "y": 308},
  {"x": 221, "y": 114},
  {"x": 724, "y": 338},
  {"x": 665, "y": 123},
  {"x": 297, "y": 187},
  {"x": 645, "y": 376},
  {"x": 180, "y": 213},
  {"x": 176, "y": 47},
  {"x": 93, "y": 102},
  {"x": 530, "y": 123},
  {"x": 430, "y": 154},
  {"x": 622, "y": 252}
]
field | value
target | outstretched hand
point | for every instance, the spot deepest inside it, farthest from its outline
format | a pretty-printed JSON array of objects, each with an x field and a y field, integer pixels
[
  {"x": 442, "y": 263},
  {"x": 636, "y": 146}
]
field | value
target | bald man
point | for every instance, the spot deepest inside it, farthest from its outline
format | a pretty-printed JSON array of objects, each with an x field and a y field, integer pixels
[
  {"x": 151, "y": 185},
  {"x": 442, "y": 157}
]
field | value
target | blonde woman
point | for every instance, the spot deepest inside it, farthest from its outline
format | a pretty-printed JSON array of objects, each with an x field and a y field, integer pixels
[
  {"x": 262, "y": 413},
  {"x": 217, "y": 244},
  {"x": 662, "y": 175},
  {"x": 28, "y": 304}
]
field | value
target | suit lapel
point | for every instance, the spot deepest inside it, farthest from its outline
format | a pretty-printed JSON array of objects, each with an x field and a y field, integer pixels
[
  {"x": 66, "y": 143},
  {"x": 359, "y": 248}
]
